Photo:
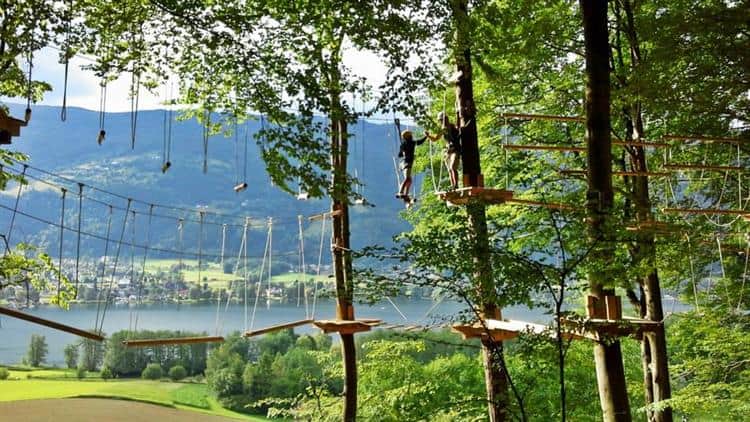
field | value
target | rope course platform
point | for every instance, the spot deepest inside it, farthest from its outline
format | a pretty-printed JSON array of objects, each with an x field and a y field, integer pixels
[
  {"x": 706, "y": 211},
  {"x": 172, "y": 341},
  {"x": 599, "y": 329},
  {"x": 463, "y": 196},
  {"x": 277, "y": 327},
  {"x": 656, "y": 227},
  {"x": 344, "y": 326},
  {"x": 701, "y": 167},
  {"x": 507, "y": 329},
  {"x": 701, "y": 138},
  {"x": 50, "y": 324},
  {"x": 533, "y": 203},
  {"x": 563, "y": 148},
  {"x": 9, "y": 127}
]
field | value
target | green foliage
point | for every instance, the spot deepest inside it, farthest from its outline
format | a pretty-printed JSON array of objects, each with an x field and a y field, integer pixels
[
  {"x": 37, "y": 353},
  {"x": 710, "y": 364},
  {"x": 152, "y": 372},
  {"x": 92, "y": 354},
  {"x": 106, "y": 373},
  {"x": 4, "y": 373},
  {"x": 130, "y": 361},
  {"x": 71, "y": 355},
  {"x": 81, "y": 372},
  {"x": 26, "y": 263},
  {"x": 177, "y": 373}
]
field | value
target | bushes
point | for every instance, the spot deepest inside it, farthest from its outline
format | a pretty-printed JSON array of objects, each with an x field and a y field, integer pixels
[
  {"x": 106, "y": 373},
  {"x": 177, "y": 373},
  {"x": 4, "y": 374},
  {"x": 152, "y": 372},
  {"x": 81, "y": 372}
]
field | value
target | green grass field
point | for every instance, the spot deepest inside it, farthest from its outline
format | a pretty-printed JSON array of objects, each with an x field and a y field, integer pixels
[{"x": 194, "y": 397}]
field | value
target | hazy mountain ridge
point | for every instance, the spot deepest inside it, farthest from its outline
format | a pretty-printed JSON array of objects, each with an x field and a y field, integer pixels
[{"x": 70, "y": 149}]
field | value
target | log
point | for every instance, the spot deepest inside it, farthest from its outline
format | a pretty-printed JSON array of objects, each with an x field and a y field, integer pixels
[
  {"x": 172, "y": 341},
  {"x": 277, "y": 327},
  {"x": 50, "y": 324}
]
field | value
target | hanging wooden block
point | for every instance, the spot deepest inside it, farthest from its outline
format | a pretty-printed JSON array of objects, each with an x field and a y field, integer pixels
[
  {"x": 343, "y": 326},
  {"x": 488, "y": 196},
  {"x": 239, "y": 188}
]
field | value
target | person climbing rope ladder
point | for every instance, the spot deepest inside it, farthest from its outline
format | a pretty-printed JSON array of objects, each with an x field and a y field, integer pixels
[
  {"x": 406, "y": 153},
  {"x": 452, "y": 154}
]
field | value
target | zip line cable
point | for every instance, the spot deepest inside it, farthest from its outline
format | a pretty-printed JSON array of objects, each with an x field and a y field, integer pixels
[
  {"x": 15, "y": 207},
  {"x": 78, "y": 236},
  {"x": 62, "y": 234}
]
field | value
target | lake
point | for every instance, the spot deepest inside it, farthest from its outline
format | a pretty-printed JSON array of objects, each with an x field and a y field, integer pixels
[{"x": 202, "y": 317}]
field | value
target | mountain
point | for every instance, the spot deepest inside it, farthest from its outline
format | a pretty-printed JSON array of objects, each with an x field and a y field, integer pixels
[{"x": 70, "y": 149}]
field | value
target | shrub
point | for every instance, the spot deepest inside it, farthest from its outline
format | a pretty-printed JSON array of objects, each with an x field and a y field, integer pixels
[
  {"x": 81, "y": 372},
  {"x": 106, "y": 373},
  {"x": 4, "y": 374},
  {"x": 152, "y": 372},
  {"x": 177, "y": 373}
]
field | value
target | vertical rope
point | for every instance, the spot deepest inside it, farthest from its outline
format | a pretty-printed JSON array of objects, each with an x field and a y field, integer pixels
[
  {"x": 15, "y": 207},
  {"x": 260, "y": 278},
  {"x": 223, "y": 243},
  {"x": 692, "y": 273},
  {"x": 60, "y": 250},
  {"x": 206, "y": 130},
  {"x": 104, "y": 268},
  {"x": 320, "y": 261},
  {"x": 114, "y": 268},
  {"x": 135, "y": 86},
  {"x": 270, "y": 253},
  {"x": 180, "y": 251},
  {"x": 30, "y": 88},
  {"x": 201, "y": 215},
  {"x": 102, "y": 110},
  {"x": 132, "y": 269},
  {"x": 142, "y": 279},
  {"x": 243, "y": 246},
  {"x": 78, "y": 235}
]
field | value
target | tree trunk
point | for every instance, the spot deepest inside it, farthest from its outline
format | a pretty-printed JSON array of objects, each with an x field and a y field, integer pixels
[
  {"x": 496, "y": 379},
  {"x": 607, "y": 355},
  {"x": 341, "y": 251}
]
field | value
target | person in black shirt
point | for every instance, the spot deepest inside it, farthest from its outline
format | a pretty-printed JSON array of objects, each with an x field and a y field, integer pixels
[{"x": 406, "y": 153}]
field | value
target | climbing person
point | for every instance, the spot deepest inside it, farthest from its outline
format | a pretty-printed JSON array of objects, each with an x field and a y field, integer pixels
[
  {"x": 452, "y": 153},
  {"x": 406, "y": 153}
]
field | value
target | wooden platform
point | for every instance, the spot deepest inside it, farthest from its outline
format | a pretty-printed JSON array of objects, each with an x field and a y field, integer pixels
[
  {"x": 172, "y": 341},
  {"x": 9, "y": 127},
  {"x": 50, "y": 324},
  {"x": 463, "y": 196},
  {"x": 277, "y": 327},
  {"x": 598, "y": 329},
  {"x": 342, "y": 326},
  {"x": 507, "y": 329}
]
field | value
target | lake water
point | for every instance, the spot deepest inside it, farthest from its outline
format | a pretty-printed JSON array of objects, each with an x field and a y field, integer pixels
[{"x": 16, "y": 334}]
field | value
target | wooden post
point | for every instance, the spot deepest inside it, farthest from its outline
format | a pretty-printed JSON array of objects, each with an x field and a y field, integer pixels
[
  {"x": 496, "y": 380},
  {"x": 607, "y": 355}
]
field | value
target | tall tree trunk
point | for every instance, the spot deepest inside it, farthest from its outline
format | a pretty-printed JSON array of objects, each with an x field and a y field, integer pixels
[
  {"x": 496, "y": 379},
  {"x": 340, "y": 249},
  {"x": 607, "y": 355}
]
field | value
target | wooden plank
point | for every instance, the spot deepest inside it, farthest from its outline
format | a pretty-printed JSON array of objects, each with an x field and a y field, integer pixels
[
  {"x": 344, "y": 326},
  {"x": 621, "y": 173},
  {"x": 705, "y": 211},
  {"x": 172, "y": 341},
  {"x": 532, "y": 203},
  {"x": 641, "y": 144},
  {"x": 324, "y": 215},
  {"x": 701, "y": 138},
  {"x": 463, "y": 196},
  {"x": 50, "y": 324},
  {"x": 701, "y": 167},
  {"x": 564, "y": 148},
  {"x": 599, "y": 329},
  {"x": 507, "y": 329},
  {"x": 552, "y": 117},
  {"x": 277, "y": 327}
]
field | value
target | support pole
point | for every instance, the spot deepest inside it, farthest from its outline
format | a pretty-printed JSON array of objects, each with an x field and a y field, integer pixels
[{"x": 599, "y": 199}]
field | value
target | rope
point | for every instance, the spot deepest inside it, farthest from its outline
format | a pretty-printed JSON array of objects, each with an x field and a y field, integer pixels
[
  {"x": 135, "y": 86},
  {"x": 30, "y": 90},
  {"x": 243, "y": 246},
  {"x": 207, "y": 117},
  {"x": 200, "y": 246},
  {"x": 223, "y": 242},
  {"x": 723, "y": 270},
  {"x": 78, "y": 235},
  {"x": 302, "y": 269},
  {"x": 102, "y": 110},
  {"x": 396, "y": 307},
  {"x": 15, "y": 207},
  {"x": 104, "y": 268},
  {"x": 142, "y": 280},
  {"x": 67, "y": 55},
  {"x": 260, "y": 277},
  {"x": 244, "y": 160},
  {"x": 60, "y": 251},
  {"x": 320, "y": 261},
  {"x": 692, "y": 273},
  {"x": 114, "y": 270},
  {"x": 132, "y": 268},
  {"x": 744, "y": 272}
]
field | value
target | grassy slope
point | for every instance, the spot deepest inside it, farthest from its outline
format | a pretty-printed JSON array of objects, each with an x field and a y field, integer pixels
[{"x": 194, "y": 397}]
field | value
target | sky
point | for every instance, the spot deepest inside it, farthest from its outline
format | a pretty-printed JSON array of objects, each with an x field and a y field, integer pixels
[{"x": 83, "y": 85}]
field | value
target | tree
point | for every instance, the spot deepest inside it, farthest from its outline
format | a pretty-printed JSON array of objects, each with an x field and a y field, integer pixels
[
  {"x": 152, "y": 372},
  {"x": 177, "y": 373},
  {"x": 71, "y": 355},
  {"x": 92, "y": 355},
  {"x": 37, "y": 353}
]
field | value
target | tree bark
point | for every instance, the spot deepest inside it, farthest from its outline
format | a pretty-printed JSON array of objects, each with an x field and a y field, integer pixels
[
  {"x": 496, "y": 377},
  {"x": 607, "y": 355}
]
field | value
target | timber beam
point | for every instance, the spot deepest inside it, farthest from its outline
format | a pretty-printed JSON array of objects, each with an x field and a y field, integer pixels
[
  {"x": 463, "y": 196},
  {"x": 343, "y": 326},
  {"x": 50, "y": 324},
  {"x": 172, "y": 341},
  {"x": 278, "y": 327}
]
